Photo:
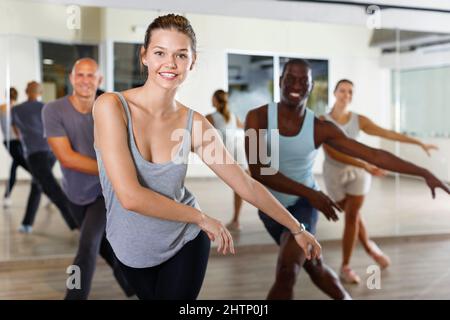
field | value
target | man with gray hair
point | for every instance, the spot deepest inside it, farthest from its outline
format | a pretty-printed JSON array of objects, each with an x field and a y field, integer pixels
[{"x": 69, "y": 129}]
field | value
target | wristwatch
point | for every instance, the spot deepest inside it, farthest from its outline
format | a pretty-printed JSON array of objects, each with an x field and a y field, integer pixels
[{"x": 302, "y": 229}]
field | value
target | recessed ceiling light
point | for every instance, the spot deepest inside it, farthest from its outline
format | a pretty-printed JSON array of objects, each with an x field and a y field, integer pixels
[{"x": 48, "y": 61}]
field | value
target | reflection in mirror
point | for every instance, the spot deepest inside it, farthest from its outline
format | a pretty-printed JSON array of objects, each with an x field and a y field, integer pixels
[
  {"x": 127, "y": 68},
  {"x": 419, "y": 65},
  {"x": 388, "y": 68},
  {"x": 398, "y": 79},
  {"x": 250, "y": 82}
]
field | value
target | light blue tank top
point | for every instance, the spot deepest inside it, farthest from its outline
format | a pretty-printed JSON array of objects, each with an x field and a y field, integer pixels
[
  {"x": 141, "y": 241},
  {"x": 296, "y": 153}
]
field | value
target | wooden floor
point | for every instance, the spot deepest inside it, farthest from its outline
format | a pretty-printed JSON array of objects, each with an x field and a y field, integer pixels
[
  {"x": 411, "y": 227},
  {"x": 420, "y": 270},
  {"x": 393, "y": 208}
]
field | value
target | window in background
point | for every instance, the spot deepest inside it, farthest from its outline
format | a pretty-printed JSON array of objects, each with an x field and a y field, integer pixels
[
  {"x": 250, "y": 82},
  {"x": 57, "y": 62},
  {"x": 127, "y": 69},
  {"x": 424, "y": 102}
]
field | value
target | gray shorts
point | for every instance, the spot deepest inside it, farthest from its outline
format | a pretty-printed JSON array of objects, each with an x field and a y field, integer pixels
[{"x": 345, "y": 180}]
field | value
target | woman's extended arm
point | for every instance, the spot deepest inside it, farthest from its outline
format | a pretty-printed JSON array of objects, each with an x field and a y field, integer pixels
[{"x": 208, "y": 145}]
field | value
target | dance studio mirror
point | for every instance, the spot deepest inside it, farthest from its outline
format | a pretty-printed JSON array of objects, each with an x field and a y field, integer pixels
[{"x": 398, "y": 82}]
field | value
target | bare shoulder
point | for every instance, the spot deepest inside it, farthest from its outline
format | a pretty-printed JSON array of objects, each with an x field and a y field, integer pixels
[
  {"x": 318, "y": 120},
  {"x": 197, "y": 116},
  {"x": 108, "y": 104},
  {"x": 324, "y": 125},
  {"x": 363, "y": 120},
  {"x": 107, "y": 99},
  {"x": 259, "y": 110},
  {"x": 210, "y": 118},
  {"x": 257, "y": 117}
]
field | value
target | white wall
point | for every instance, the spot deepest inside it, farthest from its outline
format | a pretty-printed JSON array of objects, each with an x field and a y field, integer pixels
[
  {"x": 439, "y": 163},
  {"x": 294, "y": 11},
  {"x": 19, "y": 45},
  {"x": 23, "y": 68},
  {"x": 346, "y": 48},
  {"x": 48, "y": 21}
]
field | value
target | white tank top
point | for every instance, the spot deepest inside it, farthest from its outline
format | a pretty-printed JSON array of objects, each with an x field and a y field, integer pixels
[
  {"x": 221, "y": 125},
  {"x": 351, "y": 130}
]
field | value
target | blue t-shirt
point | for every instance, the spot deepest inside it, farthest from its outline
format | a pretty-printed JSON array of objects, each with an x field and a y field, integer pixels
[
  {"x": 27, "y": 118},
  {"x": 61, "y": 119}
]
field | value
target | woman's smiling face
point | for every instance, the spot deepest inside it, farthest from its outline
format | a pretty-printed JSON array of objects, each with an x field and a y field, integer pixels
[{"x": 168, "y": 58}]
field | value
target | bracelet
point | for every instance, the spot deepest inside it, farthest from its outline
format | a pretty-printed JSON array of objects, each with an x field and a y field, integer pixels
[{"x": 302, "y": 229}]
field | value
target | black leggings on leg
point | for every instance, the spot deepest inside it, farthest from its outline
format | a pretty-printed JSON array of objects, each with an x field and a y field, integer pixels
[
  {"x": 92, "y": 220},
  {"x": 15, "y": 149},
  {"x": 179, "y": 278},
  {"x": 41, "y": 164}
]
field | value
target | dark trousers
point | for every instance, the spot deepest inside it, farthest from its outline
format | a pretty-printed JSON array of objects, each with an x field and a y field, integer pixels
[
  {"x": 41, "y": 164},
  {"x": 92, "y": 219},
  {"x": 179, "y": 278},
  {"x": 15, "y": 149}
]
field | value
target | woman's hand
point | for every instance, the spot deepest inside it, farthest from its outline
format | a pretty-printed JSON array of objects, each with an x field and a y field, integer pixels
[
  {"x": 428, "y": 147},
  {"x": 374, "y": 170},
  {"x": 217, "y": 231},
  {"x": 309, "y": 245}
]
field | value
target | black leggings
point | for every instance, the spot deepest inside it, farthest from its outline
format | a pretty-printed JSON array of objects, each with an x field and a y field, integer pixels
[
  {"x": 92, "y": 219},
  {"x": 16, "y": 151},
  {"x": 179, "y": 278},
  {"x": 41, "y": 164}
]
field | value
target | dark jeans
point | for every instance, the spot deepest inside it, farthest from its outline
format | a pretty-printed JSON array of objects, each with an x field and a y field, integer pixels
[
  {"x": 41, "y": 164},
  {"x": 92, "y": 219},
  {"x": 302, "y": 210},
  {"x": 179, "y": 278},
  {"x": 16, "y": 151}
]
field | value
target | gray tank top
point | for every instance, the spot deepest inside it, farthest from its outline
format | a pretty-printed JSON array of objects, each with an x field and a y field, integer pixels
[
  {"x": 141, "y": 241},
  {"x": 351, "y": 129}
]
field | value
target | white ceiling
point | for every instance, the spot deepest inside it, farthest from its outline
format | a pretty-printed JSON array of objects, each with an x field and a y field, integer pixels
[
  {"x": 427, "y": 4},
  {"x": 254, "y": 6},
  {"x": 311, "y": 11}
]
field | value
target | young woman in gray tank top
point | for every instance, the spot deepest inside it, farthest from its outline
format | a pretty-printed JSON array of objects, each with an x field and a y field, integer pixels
[
  {"x": 348, "y": 179},
  {"x": 154, "y": 224}
]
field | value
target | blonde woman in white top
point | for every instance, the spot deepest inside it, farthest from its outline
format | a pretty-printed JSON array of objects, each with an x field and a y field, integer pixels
[
  {"x": 348, "y": 179},
  {"x": 231, "y": 130}
]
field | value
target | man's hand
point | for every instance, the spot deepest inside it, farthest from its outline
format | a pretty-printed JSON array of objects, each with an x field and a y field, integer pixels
[
  {"x": 323, "y": 203},
  {"x": 434, "y": 183}
]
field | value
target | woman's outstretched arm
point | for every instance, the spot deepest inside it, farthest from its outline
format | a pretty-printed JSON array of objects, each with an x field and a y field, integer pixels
[
  {"x": 371, "y": 128},
  {"x": 209, "y": 147},
  {"x": 327, "y": 132}
]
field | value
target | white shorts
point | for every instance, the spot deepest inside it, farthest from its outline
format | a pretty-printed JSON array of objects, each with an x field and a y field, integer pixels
[{"x": 345, "y": 180}]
